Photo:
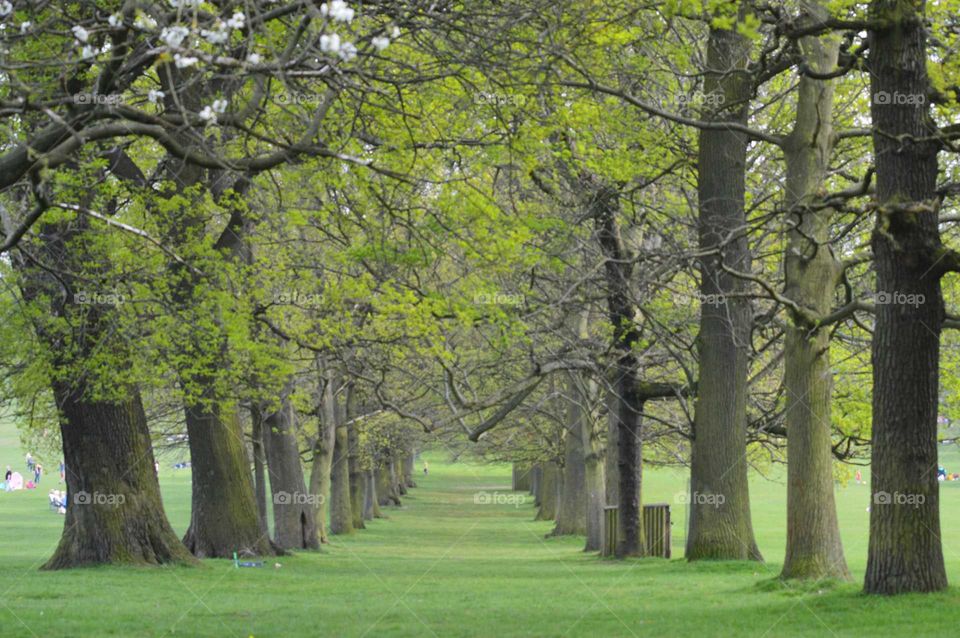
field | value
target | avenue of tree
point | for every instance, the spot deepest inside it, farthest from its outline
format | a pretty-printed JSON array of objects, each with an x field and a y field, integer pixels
[{"x": 304, "y": 241}]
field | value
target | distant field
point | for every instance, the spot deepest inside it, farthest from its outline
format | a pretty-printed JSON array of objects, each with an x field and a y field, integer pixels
[{"x": 445, "y": 566}]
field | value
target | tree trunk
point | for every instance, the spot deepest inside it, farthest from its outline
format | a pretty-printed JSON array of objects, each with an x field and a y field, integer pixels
[
  {"x": 223, "y": 519},
  {"x": 535, "y": 473},
  {"x": 409, "y": 469},
  {"x": 720, "y": 526},
  {"x": 549, "y": 491},
  {"x": 521, "y": 478},
  {"x": 323, "y": 448},
  {"x": 572, "y": 505},
  {"x": 594, "y": 476},
  {"x": 115, "y": 513},
  {"x": 387, "y": 493},
  {"x": 294, "y": 508},
  {"x": 905, "y": 553},
  {"x": 357, "y": 478},
  {"x": 371, "y": 502},
  {"x": 341, "y": 514},
  {"x": 259, "y": 468},
  {"x": 814, "y": 549}
]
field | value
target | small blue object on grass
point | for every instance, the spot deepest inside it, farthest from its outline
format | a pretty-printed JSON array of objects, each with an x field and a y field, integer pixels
[{"x": 237, "y": 563}]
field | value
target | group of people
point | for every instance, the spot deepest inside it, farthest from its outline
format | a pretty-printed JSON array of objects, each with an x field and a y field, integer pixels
[{"x": 14, "y": 480}]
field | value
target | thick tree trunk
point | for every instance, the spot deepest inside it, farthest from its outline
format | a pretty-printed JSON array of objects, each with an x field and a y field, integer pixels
[
  {"x": 341, "y": 512},
  {"x": 611, "y": 463},
  {"x": 572, "y": 505},
  {"x": 409, "y": 469},
  {"x": 115, "y": 513},
  {"x": 549, "y": 491},
  {"x": 905, "y": 553},
  {"x": 357, "y": 477},
  {"x": 627, "y": 407},
  {"x": 371, "y": 502},
  {"x": 224, "y": 518},
  {"x": 259, "y": 468},
  {"x": 814, "y": 549},
  {"x": 720, "y": 525},
  {"x": 387, "y": 493},
  {"x": 294, "y": 508},
  {"x": 535, "y": 473},
  {"x": 323, "y": 449},
  {"x": 594, "y": 476}
]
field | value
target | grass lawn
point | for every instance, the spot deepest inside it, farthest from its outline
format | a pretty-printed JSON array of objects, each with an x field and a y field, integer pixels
[{"x": 445, "y": 566}]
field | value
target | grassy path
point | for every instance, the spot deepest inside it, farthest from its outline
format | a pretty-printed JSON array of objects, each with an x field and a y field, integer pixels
[{"x": 442, "y": 565}]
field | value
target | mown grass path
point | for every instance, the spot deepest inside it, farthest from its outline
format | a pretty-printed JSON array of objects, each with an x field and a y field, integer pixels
[{"x": 442, "y": 565}]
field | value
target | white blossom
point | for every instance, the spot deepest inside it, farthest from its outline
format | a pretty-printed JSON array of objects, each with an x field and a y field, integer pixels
[
  {"x": 114, "y": 21},
  {"x": 154, "y": 96},
  {"x": 253, "y": 58},
  {"x": 185, "y": 4},
  {"x": 330, "y": 43},
  {"x": 208, "y": 114},
  {"x": 396, "y": 32},
  {"x": 380, "y": 42},
  {"x": 87, "y": 52},
  {"x": 237, "y": 21},
  {"x": 219, "y": 36},
  {"x": 184, "y": 61},
  {"x": 173, "y": 37},
  {"x": 145, "y": 22},
  {"x": 25, "y": 26},
  {"x": 5, "y": 9},
  {"x": 348, "y": 51},
  {"x": 80, "y": 33},
  {"x": 220, "y": 106},
  {"x": 337, "y": 10}
]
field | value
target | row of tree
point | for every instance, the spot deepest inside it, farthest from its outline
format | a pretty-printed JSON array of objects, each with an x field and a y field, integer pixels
[{"x": 592, "y": 233}]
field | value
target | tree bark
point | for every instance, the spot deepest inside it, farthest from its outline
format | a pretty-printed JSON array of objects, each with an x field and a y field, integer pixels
[
  {"x": 320, "y": 471},
  {"x": 357, "y": 477},
  {"x": 720, "y": 525},
  {"x": 549, "y": 491},
  {"x": 905, "y": 553},
  {"x": 594, "y": 475},
  {"x": 535, "y": 472},
  {"x": 371, "y": 504},
  {"x": 294, "y": 509},
  {"x": 572, "y": 504},
  {"x": 259, "y": 468},
  {"x": 223, "y": 519},
  {"x": 115, "y": 513},
  {"x": 341, "y": 514},
  {"x": 814, "y": 549}
]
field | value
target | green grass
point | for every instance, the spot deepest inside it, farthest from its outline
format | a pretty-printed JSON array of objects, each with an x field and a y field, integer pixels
[{"x": 445, "y": 566}]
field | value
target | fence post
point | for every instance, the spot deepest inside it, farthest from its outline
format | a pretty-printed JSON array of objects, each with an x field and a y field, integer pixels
[{"x": 608, "y": 542}]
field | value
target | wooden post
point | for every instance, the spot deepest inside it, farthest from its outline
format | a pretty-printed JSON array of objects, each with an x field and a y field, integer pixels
[{"x": 608, "y": 541}]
